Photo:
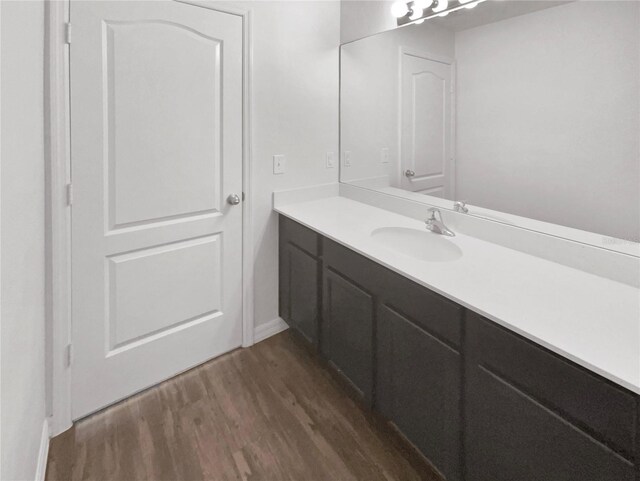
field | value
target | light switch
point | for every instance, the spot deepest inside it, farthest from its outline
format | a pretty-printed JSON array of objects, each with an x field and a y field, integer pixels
[
  {"x": 384, "y": 155},
  {"x": 279, "y": 163},
  {"x": 347, "y": 158},
  {"x": 331, "y": 160}
]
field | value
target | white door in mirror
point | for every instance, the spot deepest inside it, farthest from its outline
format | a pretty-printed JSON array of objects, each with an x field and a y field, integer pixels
[
  {"x": 156, "y": 112},
  {"x": 426, "y": 151}
]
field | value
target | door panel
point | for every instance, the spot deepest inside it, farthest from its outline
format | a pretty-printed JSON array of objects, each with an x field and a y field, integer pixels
[
  {"x": 419, "y": 389},
  {"x": 347, "y": 331},
  {"x": 182, "y": 285},
  {"x": 426, "y": 126},
  {"x": 147, "y": 76},
  {"x": 303, "y": 278},
  {"x": 156, "y": 109}
]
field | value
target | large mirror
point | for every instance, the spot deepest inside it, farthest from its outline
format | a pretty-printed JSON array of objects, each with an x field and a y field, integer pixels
[{"x": 525, "y": 110}]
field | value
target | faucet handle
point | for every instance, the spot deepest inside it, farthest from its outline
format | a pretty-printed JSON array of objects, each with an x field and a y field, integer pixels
[{"x": 461, "y": 206}]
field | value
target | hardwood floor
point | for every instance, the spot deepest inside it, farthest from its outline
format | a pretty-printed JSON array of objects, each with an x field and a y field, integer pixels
[{"x": 270, "y": 412}]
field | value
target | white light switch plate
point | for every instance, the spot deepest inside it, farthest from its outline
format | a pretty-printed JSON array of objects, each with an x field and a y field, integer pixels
[
  {"x": 347, "y": 158},
  {"x": 331, "y": 160},
  {"x": 279, "y": 163},
  {"x": 384, "y": 155}
]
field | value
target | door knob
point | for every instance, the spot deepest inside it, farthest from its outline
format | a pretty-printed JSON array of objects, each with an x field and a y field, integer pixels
[
  {"x": 233, "y": 199},
  {"x": 409, "y": 173}
]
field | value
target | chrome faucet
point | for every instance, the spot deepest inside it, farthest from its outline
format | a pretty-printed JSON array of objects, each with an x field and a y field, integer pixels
[
  {"x": 460, "y": 206},
  {"x": 437, "y": 226}
]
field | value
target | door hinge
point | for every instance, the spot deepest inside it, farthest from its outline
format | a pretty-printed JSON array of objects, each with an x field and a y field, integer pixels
[
  {"x": 69, "y": 194},
  {"x": 67, "y": 33},
  {"x": 68, "y": 355}
]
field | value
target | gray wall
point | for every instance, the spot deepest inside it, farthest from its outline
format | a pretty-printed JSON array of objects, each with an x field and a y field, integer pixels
[
  {"x": 295, "y": 107},
  {"x": 22, "y": 238},
  {"x": 361, "y": 18}
]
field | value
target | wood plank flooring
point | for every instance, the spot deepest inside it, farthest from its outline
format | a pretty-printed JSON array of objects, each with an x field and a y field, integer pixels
[{"x": 270, "y": 412}]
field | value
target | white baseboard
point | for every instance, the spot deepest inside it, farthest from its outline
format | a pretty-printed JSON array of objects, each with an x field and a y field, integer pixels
[
  {"x": 43, "y": 453},
  {"x": 268, "y": 329}
]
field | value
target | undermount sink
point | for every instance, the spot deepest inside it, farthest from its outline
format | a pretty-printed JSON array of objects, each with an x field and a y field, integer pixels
[{"x": 421, "y": 245}]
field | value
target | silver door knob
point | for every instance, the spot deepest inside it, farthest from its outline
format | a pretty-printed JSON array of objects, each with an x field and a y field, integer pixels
[
  {"x": 409, "y": 173},
  {"x": 233, "y": 199}
]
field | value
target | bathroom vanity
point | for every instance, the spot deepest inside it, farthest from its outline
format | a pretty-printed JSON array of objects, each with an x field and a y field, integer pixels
[
  {"x": 502, "y": 340},
  {"x": 481, "y": 388}
]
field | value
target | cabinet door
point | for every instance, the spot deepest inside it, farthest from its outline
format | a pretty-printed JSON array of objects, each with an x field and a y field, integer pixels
[
  {"x": 347, "y": 330},
  {"x": 418, "y": 388},
  {"x": 518, "y": 429},
  {"x": 299, "y": 279}
]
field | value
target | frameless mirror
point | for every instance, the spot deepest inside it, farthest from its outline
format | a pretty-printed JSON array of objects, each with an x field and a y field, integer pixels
[{"x": 521, "y": 109}]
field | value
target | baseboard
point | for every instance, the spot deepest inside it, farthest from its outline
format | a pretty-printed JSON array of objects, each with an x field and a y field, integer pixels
[
  {"x": 268, "y": 329},
  {"x": 43, "y": 453}
]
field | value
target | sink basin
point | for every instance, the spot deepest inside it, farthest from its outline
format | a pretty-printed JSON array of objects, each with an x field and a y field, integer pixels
[{"x": 421, "y": 245}]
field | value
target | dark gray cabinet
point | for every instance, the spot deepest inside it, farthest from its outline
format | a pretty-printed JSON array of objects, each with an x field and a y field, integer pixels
[
  {"x": 479, "y": 401},
  {"x": 300, "y": 279},
  {"x": 347, "y": 331},
  {"x": 531, "y": 415},
  {"x": 418, "y": 388},
  {"x": 419, "y": 369},
  {"x": 348, "y": 315}
]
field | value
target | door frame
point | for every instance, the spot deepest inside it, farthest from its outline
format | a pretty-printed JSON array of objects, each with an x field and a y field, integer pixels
[
  {"x": 402, "y": 51},
  {"x": 58, "y": 340}
]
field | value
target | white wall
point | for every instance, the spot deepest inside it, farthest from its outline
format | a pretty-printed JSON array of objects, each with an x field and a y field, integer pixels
[
  {"x": 549, "y": 113},
  {"x": 22, "y": 237},
  {"x": 361, "y": 18},
  {"x": 295, "y": 107},
  {"x": 369, "y": 97}
]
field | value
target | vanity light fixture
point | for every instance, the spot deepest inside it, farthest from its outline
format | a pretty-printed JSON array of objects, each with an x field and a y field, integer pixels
[
  {"x": 441, "y": 6},
  {"x": 417, "y": 11},
  {"x": 399, "y": 9}
]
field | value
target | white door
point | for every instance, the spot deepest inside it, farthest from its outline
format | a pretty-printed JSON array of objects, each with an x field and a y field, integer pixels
[
  {"x": 426, "y": 124},
  {"x": 156, "y": 148}
]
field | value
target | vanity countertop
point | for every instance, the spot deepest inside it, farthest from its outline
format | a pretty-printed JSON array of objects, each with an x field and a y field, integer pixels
[{"x": 588, "y": 319}]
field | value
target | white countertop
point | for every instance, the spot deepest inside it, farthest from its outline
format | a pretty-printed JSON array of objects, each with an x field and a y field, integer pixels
[{"x": 588, "y": 319}]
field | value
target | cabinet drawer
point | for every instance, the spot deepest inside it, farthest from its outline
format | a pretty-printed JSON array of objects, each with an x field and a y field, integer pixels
[
  {"x": 354, "y": 266},
  {"x": 300, "y": 236},
  {"x": 589, "y": 402}
]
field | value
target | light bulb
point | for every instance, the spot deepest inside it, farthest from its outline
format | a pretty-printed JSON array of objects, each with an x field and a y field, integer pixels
[
  {"x": 423, "y": 4},
  {"x": 416, "y": 13},
  {"x": 442, "y": 5},
  {"x": 443, "y": 14},
  {"x": 471, "y": 5},
  {"x": 419, "y": 21},
  {"x": 465, "y": 1},
  {"x": 399, "y": 9}
]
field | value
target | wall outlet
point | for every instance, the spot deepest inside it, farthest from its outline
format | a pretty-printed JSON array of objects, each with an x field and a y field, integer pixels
[
  {"x": 347, "y": 158},
  {"x": 384, "y": 155},
  {"x": 279, "y": 163},
  {"x": 331, "y": 160}
]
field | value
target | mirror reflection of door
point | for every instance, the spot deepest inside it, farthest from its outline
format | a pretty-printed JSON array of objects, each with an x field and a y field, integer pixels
[{"x": 426, "y": 155}]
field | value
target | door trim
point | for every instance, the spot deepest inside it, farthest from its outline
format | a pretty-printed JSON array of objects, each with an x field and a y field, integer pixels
[
  {"x": 58, "y": 213},
  {"x": 402, "y": 51}
]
